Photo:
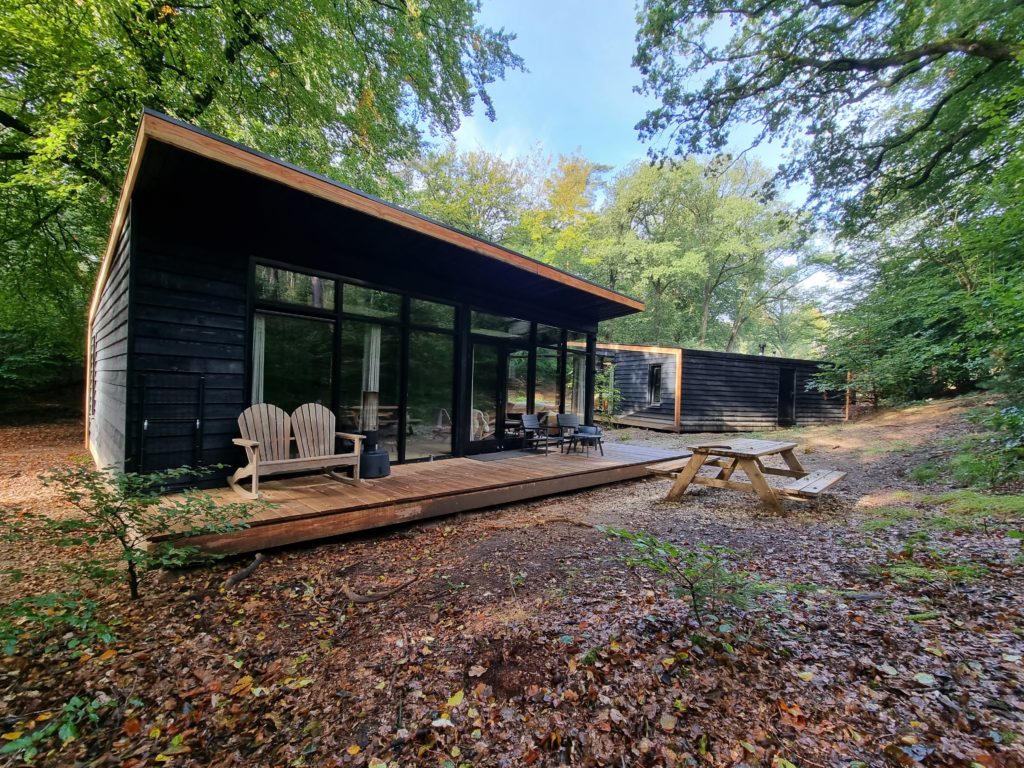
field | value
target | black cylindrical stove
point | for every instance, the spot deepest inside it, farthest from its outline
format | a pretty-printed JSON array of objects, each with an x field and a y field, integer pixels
[{"x": 374, "y": 461}]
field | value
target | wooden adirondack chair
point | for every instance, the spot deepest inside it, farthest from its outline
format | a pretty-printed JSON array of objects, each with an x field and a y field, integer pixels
[{"x": 267, "y": 438}]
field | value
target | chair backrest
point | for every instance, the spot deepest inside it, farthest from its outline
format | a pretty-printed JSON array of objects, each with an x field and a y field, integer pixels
[
  {"x": 531, "y": 421},
  {"x": 588, "y": 429},
  {"x": 443, "y": 420},
  {"x": 314, "y": 428},
  {"x": 269, "y": 426},
  {"x": 480, "y": 428},
  {"x": 568, "y": 420}
]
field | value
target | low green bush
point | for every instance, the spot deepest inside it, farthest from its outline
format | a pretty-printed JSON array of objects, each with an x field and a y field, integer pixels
[{"x": 702, "y": 574}]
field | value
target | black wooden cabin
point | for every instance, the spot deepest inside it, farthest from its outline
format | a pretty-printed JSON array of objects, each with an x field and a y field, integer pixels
[
  {"x": 694, "y": 390},
  {"x": 232, "y": 278}
]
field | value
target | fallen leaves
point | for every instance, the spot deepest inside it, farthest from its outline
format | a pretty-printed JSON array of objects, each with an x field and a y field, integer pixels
[{"x": 589, "y": 663}]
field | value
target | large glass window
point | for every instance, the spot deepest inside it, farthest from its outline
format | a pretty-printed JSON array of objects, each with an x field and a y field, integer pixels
[
  {"x": 431, "y": 313},
  {"x": 369, "y": 302},
  {"x": 483, "y": 413},
  {"x": 369, "y": 381},
  {"x": 547, "y": 396},
  {"x": 291, "y": 360},
  {"x": 431, "y": 370},
  {"x": 515, "y": 388},
  {"x": 576, "y": 382},
  {"x": 284, "y": 285},
  {"x": 500, "y": 327}
]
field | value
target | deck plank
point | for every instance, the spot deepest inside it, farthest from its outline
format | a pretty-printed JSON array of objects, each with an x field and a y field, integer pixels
[{"x": 311, "y": 507}]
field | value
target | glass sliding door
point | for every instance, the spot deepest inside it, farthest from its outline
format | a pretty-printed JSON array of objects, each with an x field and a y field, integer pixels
[
  {"x": 369, "y": 374},
  {"x": 485, "y": 394},
  {"x": 292, "y": 360},
  {"x": 431, "y": 373},
  {"x": 516, "y": 383}
]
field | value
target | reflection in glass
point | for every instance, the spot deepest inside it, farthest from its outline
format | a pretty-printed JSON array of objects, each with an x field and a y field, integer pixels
[
  {"x": 276, "y": 284},
  {"x": 431, "y": 368},
  {"x": 369, "y": 302},
  {"x": 369, "y": 381},
  {"x": 576, "y": 383},
  {"x": 548, "y": 336},
  {"x": 291, "y": 360},
  {"x": 500, "y": 327},
  {"x": 431, "y": 313},
  {"x": 515, "y": 392},
  {"x": 484, "y": 411},
  {"x": 546, "y": 395}
]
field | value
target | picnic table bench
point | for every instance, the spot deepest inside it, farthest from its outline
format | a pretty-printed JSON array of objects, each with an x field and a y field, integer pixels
[{"x": 729, "y": 455}]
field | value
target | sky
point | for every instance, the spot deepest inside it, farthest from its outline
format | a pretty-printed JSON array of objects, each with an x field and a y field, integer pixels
[{"x": 577, "y": 94}]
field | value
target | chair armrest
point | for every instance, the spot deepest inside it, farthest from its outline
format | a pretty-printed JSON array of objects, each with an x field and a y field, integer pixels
[
  {"x": 245, "y": 443},
  {"x": 350, "y": 436}
]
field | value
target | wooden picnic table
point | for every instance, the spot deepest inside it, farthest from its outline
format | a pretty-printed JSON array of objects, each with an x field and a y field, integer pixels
[{"x": 729, "y": 455}]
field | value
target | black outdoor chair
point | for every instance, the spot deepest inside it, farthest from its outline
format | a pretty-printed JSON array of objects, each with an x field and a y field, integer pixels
[
  {"x": 589, "y": 436},
  {"x": 536, "y": 433},
  {"x": 568, "y": 423}
]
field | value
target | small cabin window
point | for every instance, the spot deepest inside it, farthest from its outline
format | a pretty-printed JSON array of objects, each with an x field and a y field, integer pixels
[
  {"x": 654, "y": 384},
  {"x": 285, "y": 285}
]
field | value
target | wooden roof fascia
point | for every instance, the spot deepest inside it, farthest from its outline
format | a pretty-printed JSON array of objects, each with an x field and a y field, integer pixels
[
  {"x": 116, "y": 225},
  {"x": 638, "y": 348}
]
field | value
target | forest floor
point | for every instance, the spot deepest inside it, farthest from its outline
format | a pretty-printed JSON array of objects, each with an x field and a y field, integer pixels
[{"x": 889, "y": 630}]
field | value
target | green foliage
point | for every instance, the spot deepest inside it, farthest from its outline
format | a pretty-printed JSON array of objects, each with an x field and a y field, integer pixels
[
  {"x": 77, "y": 712},
  {"x": 345, "y": 90},
  {"x": 907, "y": 573},
  {"x": 608, "y": 397},
  {"x": 901, "y": 98},
  {"x": 703, "y": 574},
  {"x": 985, "y": 459},
  {"x": 716, "y": 261},
  {"x": 975, "y": 503},
  {"x": 477, "y": 192},
  {"x": 126, "y": 509},
  {"x": 886, "y": 517},
  {"x": 39, "y": 617},
  {"x": 905, "y": 119}
]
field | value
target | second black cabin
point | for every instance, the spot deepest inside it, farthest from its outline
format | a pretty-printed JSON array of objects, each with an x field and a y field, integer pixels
[{"x": 692, "y": 390}]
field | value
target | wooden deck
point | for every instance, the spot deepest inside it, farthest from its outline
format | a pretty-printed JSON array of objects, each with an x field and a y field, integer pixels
[
  {"x": 661, "y": 425},
  {"x": 314, "y": 506}
]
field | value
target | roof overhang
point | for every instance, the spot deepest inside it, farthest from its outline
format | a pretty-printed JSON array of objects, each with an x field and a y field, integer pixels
[{"x": 161, "y": 128}]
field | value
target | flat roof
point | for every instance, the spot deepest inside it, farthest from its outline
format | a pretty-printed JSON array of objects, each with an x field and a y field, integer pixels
[
  {"x": 161, "y": 128},
  {"x": 662, "y": 349}
]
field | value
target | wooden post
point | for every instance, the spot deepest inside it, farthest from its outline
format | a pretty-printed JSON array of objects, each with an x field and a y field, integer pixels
[{"x": 849, "y": 397}]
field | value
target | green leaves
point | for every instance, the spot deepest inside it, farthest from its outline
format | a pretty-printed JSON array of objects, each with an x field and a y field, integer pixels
[
  {"x": 126, "y": 509},
  {"x": 701, "y": 574},
  {"x": 344, "y": 90}
]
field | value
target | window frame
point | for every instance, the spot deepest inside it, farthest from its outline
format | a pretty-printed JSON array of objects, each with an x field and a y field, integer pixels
[{"x": 654, "y": 383}]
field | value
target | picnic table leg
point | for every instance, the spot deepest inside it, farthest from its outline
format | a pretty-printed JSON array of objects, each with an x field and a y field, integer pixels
[
  {"x": 761, "y": 487},
  {"x": 726, "y": 472},
  {"x": 685, "y": 477},
  {"x": 793, "y": 462}
]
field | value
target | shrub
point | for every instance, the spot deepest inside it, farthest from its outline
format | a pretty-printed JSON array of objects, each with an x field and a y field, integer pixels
[
  {"x": 126, "y": 509},
  {"x": 76, "y": 712},
  {"x": 701, "y": 574},
  {"x": 41, "y": 616}
]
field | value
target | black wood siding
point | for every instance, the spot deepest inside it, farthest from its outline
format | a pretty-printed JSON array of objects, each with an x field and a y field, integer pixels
[
  {"x": 109, "y": 359},
  {"x": 189, "y": 345},
  {"x": 723, "y": 392},
  {"x": 728, "y": 393},
  {"x": 632, "y": 369},
  {"x": 812, "y": 406}
]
